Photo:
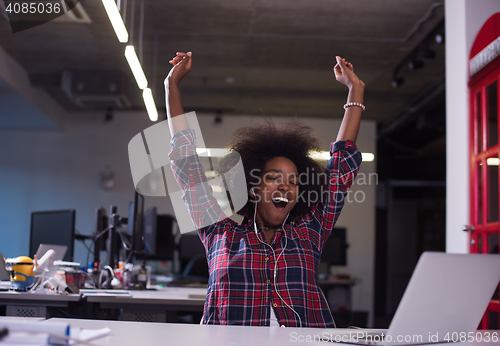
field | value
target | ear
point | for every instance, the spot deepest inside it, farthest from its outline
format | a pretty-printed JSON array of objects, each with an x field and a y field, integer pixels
[{"x": 251, "y": 192}]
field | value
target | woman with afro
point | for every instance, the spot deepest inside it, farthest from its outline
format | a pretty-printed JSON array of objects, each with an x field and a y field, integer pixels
[{"x": 263, "y": 272}]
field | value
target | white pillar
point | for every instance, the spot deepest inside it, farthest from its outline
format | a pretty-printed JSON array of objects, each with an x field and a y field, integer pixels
[{"x": 457, "y": 127}]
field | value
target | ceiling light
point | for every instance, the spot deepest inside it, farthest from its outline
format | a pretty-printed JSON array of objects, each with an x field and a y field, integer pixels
[
  {"x": 315, "y": 155},
  {"x": 367, "y": 157},
  {"x": 320, "y": 155},
  {"x": 325, "y": 156},
  {"x": 415, "y": 64},
  {"x": 116, "y": 20},
  {"x": 147, "y": 95},
  {"x": 136, "y": 67},
  {"x": 397, "y": 82},
  {"x": 493, "y": 161},
  {"x": 212, "y": 152},
  {"x": 439, "y": 38}
]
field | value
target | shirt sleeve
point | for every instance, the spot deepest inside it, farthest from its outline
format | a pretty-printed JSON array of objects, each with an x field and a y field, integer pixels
[
  {"x": 190, "y": 176},
  {"x": 341, "y": 170}
]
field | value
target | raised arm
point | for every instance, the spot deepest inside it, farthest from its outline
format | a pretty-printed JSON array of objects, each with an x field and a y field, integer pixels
[
  {"x": 344, "y": 73},
  {"x": 182, "y": 66}
]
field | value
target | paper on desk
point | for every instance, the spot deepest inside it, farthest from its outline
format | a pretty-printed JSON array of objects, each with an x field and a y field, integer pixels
[
  {"x": 20, "y": 332},
  {"x": 28, "y": 333}
]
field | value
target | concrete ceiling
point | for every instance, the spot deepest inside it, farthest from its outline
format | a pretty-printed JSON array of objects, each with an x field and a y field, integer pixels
[{"x": 272, "y": 57}]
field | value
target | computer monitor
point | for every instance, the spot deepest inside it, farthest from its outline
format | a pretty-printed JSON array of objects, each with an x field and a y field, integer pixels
[
  {"x": 101, "y": 222},
  {"x": 335, "y": 248},
  {"x": 53, "y": 227},
  {"x": 135, "y": 223},
  {"x": 158, "y": 235},
  {"x": 192, "y": 256}
]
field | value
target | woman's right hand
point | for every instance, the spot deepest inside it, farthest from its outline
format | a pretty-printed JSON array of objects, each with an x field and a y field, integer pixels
[{"x": 182, "y": 66}]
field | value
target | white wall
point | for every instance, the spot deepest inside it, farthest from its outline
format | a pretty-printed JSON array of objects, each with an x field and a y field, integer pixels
[
  {"x": 60, "y": 170},
  {"x": 464, "y": 19}
]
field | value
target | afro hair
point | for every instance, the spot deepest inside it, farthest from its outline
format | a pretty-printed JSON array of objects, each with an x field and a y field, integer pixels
[{"x": 258, "y": 143}]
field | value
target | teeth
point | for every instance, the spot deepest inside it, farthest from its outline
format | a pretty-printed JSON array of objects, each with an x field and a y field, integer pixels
[{"x": 280, "y": 199}]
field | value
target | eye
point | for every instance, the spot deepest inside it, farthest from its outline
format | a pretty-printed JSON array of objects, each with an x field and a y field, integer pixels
[
  {"x": 276, "y": 178},
  {"x": 294, "y": 183}
]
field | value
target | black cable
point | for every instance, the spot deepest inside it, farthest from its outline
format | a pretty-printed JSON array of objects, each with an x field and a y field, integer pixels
[
  {"x": 89, "y": 250},
  {"x": 65, "y": 313},
  {"x": 101, "y": 233},
  {"x": 98, "y": 235},
  {"x": 129, "y": 257},
  {"x": 88, "y": 254},
  {"x": 87, "y": 247},
  {"x": 128, "y": 246}
]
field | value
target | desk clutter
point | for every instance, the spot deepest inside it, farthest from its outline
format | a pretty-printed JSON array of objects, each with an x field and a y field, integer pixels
[
  {"x": 26, "y": 332},
  {"x": 49, "y": 274},
  {"x": 116, "y": 286},
  {"x": 141, "y": 236}
]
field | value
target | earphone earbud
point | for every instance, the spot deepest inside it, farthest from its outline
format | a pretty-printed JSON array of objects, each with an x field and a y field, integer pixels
[{"x": 252, "y": 191}]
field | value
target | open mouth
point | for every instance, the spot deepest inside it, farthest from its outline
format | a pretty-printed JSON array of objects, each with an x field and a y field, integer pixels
[{"x": 280, "y": 202}]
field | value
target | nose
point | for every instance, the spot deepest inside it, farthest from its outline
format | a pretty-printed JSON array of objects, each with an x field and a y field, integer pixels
[{"x": 284, "y": 187}]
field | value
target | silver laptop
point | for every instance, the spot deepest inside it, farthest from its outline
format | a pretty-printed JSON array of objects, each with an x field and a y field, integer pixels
[
  {"x": 4, "y": 274},
  {"x": 447, "y": 294},
  {"x": 60, "y": 251},
  {"x": 5, "y": 283}
]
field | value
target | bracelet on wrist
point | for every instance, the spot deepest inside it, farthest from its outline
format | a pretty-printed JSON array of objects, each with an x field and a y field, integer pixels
[{"x": 357, "y": 104}]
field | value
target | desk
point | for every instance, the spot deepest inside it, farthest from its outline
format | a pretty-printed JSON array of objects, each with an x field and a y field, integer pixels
[
  {"x": 146, "y": 306},
  {"x": 338, "y": 292},
  {"x": 152, "y": 334},
  {"x": 338, "y": 295},
  {"x": 27, "y": 304},
  {"x": 153, "y": 306}
]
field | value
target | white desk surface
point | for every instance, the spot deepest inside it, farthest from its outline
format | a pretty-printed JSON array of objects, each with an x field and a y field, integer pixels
[{"x": 150, "y": 334}]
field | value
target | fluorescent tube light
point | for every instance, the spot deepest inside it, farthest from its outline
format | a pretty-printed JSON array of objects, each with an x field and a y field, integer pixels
[
  {"x": 325, "y": 156},
  {"x": 147, "y": 95},
  {"x": 320, "y": 155},
  {"x": 367, "y": 157},
  {"x": 493, "y": 161},
  {"x": 211, "y": 152},
  {"x": 116, "y": 20},
  {"x": 136, "y": 67},
  {"x": 316, "y": 155}
]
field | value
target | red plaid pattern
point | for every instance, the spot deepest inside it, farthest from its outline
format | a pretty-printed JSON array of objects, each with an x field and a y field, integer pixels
[{"x": 241, "y": 286}]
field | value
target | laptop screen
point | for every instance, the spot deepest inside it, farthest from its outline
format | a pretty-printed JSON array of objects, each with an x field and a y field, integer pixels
[{"x": 4, "y": 274}]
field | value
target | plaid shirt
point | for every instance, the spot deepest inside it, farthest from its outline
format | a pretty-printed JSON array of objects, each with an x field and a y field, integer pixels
[{"x": 241, "y": 288}]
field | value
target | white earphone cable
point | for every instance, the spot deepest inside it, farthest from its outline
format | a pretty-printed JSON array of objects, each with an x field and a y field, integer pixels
[{"x": 274, "y": 255}]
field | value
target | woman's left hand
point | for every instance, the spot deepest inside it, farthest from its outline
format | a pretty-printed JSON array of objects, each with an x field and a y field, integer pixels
[
  {"x": 183, "y": 63},
  {"x": 344, "y": 73}
]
